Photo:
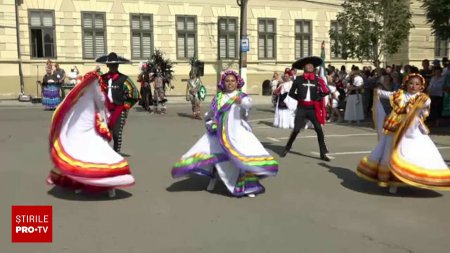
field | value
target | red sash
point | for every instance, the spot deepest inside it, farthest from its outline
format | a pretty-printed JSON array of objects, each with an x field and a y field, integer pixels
[
  {"x": 115, "y": 115},
  {"x": 319, "y": 109}
]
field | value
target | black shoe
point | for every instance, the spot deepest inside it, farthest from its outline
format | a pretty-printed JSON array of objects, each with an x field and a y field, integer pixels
[
  {"x": 284, "y": 153},
  {"x": 325, "y": 157}
]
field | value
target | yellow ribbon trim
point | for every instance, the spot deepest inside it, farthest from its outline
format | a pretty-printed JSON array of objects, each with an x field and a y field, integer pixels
[{"x": 62, "y": 155}]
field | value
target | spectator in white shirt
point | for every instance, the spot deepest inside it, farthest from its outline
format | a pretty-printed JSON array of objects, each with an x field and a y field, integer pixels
[{"x": 73, "y": 75}]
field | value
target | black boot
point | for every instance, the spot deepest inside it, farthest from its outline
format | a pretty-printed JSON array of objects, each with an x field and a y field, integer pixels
[
  {"x": 324, "y": 151},
  {"x": 284, "y": 153},
  {"x": 289, "y": 143},
  {"x": 325, "y": 157},
  {"x": 324, "y": 154}
]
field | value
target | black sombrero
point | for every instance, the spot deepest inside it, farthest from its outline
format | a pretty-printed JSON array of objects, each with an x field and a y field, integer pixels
[
  {"x": 314, "y": 60},
  {"x": 111, "y": 58}
]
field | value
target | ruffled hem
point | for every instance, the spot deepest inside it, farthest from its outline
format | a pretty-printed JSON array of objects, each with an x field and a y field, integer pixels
[
  {"x": 370, "y": 170},
  {"x": 197, "y": 164},
  {"x": 248, "y": 184},
  {"x": 64, "y": 181}
]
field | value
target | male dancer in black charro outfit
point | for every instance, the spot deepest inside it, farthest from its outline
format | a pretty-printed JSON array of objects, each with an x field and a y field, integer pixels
[
  {"x": 309, "y": 90},
  {"x": 122, "y": 94}
]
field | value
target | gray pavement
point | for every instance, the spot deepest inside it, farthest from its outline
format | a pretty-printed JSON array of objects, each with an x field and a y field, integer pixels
[
  {"x": 257, "y": 99},
  {"x": 311, "y": 206}
]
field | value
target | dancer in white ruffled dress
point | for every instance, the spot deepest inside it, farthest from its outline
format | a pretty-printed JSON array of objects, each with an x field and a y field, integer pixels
[
  {"x": 229, "y": 150},
  {"x": 79, "y": 142},
  {"x": 405, "y": 154},
  {"x": 284, "y": 117}
]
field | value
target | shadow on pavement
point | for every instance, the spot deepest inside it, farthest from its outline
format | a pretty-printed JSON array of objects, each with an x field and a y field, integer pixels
[
  {"x": 185, "y": 115},
  {"x": 352, "y": 182},
  {"x": 198, "y": 183},
  {"x": 275, "y": 148},
  {"x": 279, "y": 149},
  {"x": 366, "y": 126},
  {"x": 265, "y": 110},
  {"x": 300, "y": 154},
  {"x": 140, "y": 109},
  {"x": 68, "y": 194},
  {"x": 267, "y": 123}
]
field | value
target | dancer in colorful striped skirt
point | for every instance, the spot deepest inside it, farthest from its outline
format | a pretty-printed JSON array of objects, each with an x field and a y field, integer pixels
[{"x": 229, "y": 150}]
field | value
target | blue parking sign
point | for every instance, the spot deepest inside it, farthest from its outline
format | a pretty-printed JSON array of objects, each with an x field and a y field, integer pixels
[{"x": 245, "y": 45}]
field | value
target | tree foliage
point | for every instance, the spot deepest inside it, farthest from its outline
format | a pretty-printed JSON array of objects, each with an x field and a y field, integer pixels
[
  {"x": 438, "y": 15},
  {"x": 371, "y": 29}
]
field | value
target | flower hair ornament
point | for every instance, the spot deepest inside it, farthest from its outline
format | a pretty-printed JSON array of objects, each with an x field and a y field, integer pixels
[
  {"x": 239, "y": 80},
  {"x": 414, "y": 75},
  {"x": 289, "y": 71}
]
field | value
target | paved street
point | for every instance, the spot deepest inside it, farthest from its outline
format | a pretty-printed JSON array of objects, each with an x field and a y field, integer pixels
[{"x": 311, "y": 206}]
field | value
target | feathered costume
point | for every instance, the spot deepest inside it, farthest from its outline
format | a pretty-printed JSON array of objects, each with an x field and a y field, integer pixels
[
  {"x": 195, "y": 91},
  {"x": 146, "y": 100},
  {"x": 161, "y": 74}
]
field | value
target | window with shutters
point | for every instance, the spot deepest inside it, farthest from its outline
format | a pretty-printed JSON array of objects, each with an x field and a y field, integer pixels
[
  {"x": 440, "y": 47},
  {"x": 303, "y": 38},
  {"x": 335, "y": 26},
  {"x": 141, "y": 36},
  {"x": 42, "y": 33},
  {"x": 227, "y": 27},
  {"x": 266, "y": 39},
  {"x": 94, "y": 34},
  {"x": 186, "y": 36}
]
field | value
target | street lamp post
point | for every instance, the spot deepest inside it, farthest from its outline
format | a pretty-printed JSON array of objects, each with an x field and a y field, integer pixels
[
  {"x": 22, "y": 96},
  {"x": 243, "y": 53}
]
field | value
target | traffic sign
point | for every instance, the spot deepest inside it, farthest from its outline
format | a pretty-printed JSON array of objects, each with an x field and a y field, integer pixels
[{"x": 245, "y": 45}]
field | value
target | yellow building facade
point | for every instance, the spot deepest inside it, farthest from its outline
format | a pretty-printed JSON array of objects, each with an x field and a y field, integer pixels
[{"x": 74, "y": 32}]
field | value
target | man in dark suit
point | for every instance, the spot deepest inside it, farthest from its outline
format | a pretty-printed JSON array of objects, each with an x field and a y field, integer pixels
[{"x": 309, "y": 90}]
